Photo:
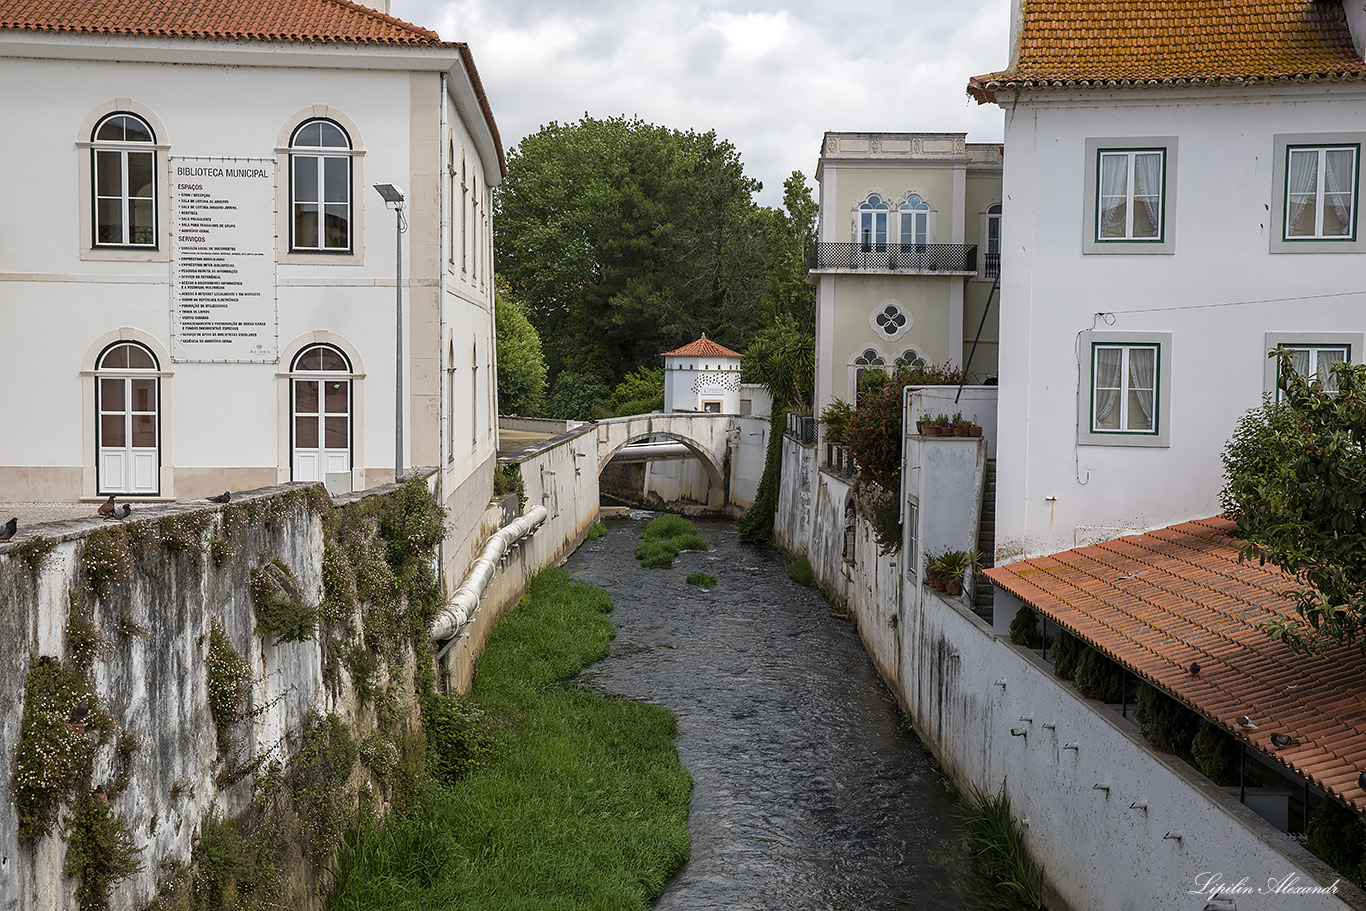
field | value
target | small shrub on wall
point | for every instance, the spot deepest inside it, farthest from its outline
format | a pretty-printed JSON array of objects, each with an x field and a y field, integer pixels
[
  {"x": 1164, "y": 722},
  {"x": 281, "y": 610},
  {"x": 1024, "y": 629},
  {"x": 1217, "y": 754},
  {"x": 229, "y": 682},
  {"x": 1337, "y": 836},
  {"x": 1065, "y": 650}
]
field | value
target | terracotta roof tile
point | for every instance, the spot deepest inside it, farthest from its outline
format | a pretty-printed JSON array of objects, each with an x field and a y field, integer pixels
[
  {"x": 1157, "y": 601},
  {"x": 1109, "y": 43},
  {"x": 703, "y": 347},
  {"x": 255, "y": 20}
]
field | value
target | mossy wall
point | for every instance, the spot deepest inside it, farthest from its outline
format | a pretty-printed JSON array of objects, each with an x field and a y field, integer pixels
[{"x": 130, "y": 609}]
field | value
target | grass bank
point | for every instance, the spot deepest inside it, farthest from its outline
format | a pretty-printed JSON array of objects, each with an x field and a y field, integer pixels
[{"x": 583, "y": 806}]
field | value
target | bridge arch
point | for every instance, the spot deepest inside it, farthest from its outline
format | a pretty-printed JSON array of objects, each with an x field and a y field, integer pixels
[
  {"x": 706, "y": 436},
  {"x": 713, "y": 467}
]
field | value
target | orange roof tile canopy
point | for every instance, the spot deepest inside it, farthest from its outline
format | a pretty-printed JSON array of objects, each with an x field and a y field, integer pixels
[
  {"x": 1104, "y": 43},
  {"x": 261, "y": 20},
  {"x": 703, "y": 347},
  {"x": 1158, "y": 601}
]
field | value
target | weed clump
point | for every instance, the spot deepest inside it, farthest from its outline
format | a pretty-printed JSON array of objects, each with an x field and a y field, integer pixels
[
  {"x": 996, "y": 841},
  {"x": 100, "y": 850},
  {"x": 664, "y": 527},
  {"x": 799, "y": 571},
  {"x": 108, "y": 559},
  {"x": 281, "y": 610},
  {"x": 229, "y": 679},
  {"x": 701, "y": 579},
  {"x": 595, "y": 531},
  {"x": 665, "y": 538},
  {"x": 459, "y": 737}
]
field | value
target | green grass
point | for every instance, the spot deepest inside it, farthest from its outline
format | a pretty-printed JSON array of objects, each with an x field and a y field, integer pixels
[
  {"x": 799, "y": 571},
  {"x": 705, "y": 580},
  {"x": 665, "y": 537},
  {"x": 657, "y": 554},
  {"x": 662, "y": 527},
  {"x": 584, "y": 806},
  {"x": 595, "y": 531},
  {"x": 1009, "y": 877}
]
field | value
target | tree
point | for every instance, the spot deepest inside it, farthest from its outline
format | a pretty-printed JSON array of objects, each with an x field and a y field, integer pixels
[
  {"x": 579, "y": 397},
  {"x": 788, "y": 291},
  {"x": 624, "y": 239},
  {"x": 640, "y": 392},
  {"x": 1297, "y": 490},
  {"x": 521, "y": 364}
]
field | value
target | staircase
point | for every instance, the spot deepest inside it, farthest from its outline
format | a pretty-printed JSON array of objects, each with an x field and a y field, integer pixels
[{"x": 983, "y": 590}]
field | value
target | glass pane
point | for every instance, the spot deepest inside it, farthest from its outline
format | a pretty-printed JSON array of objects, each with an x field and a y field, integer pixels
[
  {"x": 144, "y": 431},
  {"x": 108, "y": 174},
  {"x": 1337, "y": 214},
  {"x": 109, "y": 221},
  {"x": 336, "y": 398},
  {"x": 330, "y": 135},
  {"x": 305, "y": 397},
  {"x": 1138, "y": 418},
  {"x": 1142, "y": 383},
  {"x": 329, "y": 359},
  {"x": 141, "y": 226},
  {"x": 336, "y": 433},
  {"x": 310, "y": 360},
  {"x": 134, "y": 130},
  {"x": 336, "y": 179},
  {"x": 115, "y": 357},
  {"x": 140, "y": 174},
  {"x": 306, "y": 225},
  {"x": 305, "y": 432},
  {"x": 309, "y": 135},
  {"x": 1106, "y": 379},
  {"x": 1327, "y": 358},
  {"x": 144, "y": 395},
  {"x": 138, "y": 358},
  {"x": 111, "y": 395},
  {"x": 1303, "y": 215},
  {"x": 111, "y": 130},
  {"x": 337, "y": 227},
  {"x": 1114, "y": 195},
  {"x": 1145, "y": 216},
  {"x": 112, "y": 430},
  {"x": 305, "y": 178}
]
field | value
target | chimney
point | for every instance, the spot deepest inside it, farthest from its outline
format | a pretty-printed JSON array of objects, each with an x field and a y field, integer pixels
[{"x": 1356, "y": 23}]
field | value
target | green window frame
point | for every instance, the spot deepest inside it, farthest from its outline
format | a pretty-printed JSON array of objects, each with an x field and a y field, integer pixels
[
  {"x": 1314, "y": 196},
  {"x": 1122, "y": 210},
  {"x": 1125, "y": 401},
  {"x": 1319, "y": 357}
]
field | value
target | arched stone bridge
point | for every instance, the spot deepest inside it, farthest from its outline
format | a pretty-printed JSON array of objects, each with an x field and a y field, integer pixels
[{"x": 706, "y": 437}]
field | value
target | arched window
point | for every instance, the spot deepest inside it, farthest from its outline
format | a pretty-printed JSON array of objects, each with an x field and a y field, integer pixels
[
  {"x": 914, "y": 222},
  {"x": 993, "y": 257},
  {"x": 890, "y": 320},
  {"x": 911, "y": 358},
  {"x": 320, "y": 187},
  {"x": 868, "y": 360},
  {"x": 320, "y": 396},
  {"x": 128, "y": 405},
  {"x": 872, "y": 223},
  {"x": 124, "y": 170}
]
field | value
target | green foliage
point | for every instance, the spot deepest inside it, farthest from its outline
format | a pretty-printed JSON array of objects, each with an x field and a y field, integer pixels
[
  {"x": 691, "y": 541},
  {"x": 318, "y": 779},
  {"x": 100, "y": 850},
  {"x": 1164, "y": 722},
  {"x": 663, "y": 527},
  {"x": 835, "y": 417},
  {"x": 1338, "y": 836},
  {"x": 107, "y": 557},
  {"x": 639, "y": 392},
  {"x": 1024, "y": 629},
  {"x": 84, "y": 643},
  {"x": 578, "y": 397},
  {"x": 1066, "y": 650},
  {"x": 219, "y": 857},
  {"x": 799, "y": 571},
  {"x": 701, "y": 579},
  {"x": 1297, "y": 489},
  {"x": 229, "y": 684},
  {"x": 756, "y": 525},
  {"x": 521, "y": 363},
  {"x": 657, "y": 554},
  {"x": 362, "y": 665},
  {"x": 35, "y": 551},
  {"x": 233, "y": 869},
  {"x": 595, "y": 531},
  {"x": 624, "y": 239},
  {"x": 873, "y": 432},
  {"x": 996, "y": 841},
  {"x": 339, "y": 599},
  {"x": 459, "y": 737},
  {"x": 507, "y": 478},
  {"x": 1217, "y": 754},
  {"x": 1097, "y": 677},
  {"x": 411, "y": 524},
  {"x": 665, "y": 537},
  {"x": 584, "y": 806},
  {"x": 281, "y": 609},
  {"x": 883, "y": 512},
  {"x": 788, "y": 292},
  {"x": 183, "y": 533},
  {"x": 379, "y": 755},
  {"x": 53, "y": 756}
]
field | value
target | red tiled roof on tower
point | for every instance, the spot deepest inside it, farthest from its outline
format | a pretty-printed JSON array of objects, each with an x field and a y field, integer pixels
[
  {"x": 703, "y": 347},
  {"x": 253, "y": 20},
  {"x": 1158, "y": 601},
  {"x": 1119, "y": 43}
]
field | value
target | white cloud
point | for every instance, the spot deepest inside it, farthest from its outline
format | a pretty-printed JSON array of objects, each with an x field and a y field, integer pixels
[{"x": 769, "y": 77}]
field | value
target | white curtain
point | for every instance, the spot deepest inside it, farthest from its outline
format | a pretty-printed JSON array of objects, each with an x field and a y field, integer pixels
[
  {"x": 1108, "y": 367},
  {"x": 1113, "y": 182},
  {"x": 1303, "y": 178},
  {"x": 1142, "y": 372},
  {"x": 1148, "y": 189},
  {"x": 1327, "y": 358},
  {"x": 1339, "y": 183}
]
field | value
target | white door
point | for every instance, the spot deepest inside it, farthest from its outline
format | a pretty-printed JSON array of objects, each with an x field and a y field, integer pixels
[
  {"x": 322, "y": 427},
  {"x": 129, "y": 435}
]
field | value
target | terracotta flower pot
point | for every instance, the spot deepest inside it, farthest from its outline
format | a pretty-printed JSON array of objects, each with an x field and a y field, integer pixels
[
  {"x": 953, "y": 586},
  {"x": 939, "y": 583},
  {"x": 974, "y": 431},
  {"x": 930, "y": 430}
]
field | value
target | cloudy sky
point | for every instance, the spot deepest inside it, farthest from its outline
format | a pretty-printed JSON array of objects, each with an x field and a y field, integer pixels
[{"x": 769, "y": 76}]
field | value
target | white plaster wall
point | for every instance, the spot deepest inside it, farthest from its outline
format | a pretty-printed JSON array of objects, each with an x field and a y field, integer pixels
[{"x": 1218, "y": 295}]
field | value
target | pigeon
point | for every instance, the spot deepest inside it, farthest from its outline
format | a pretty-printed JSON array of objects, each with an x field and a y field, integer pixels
[
  {"x": 223, "y": 497},
  {"x": 1361, "y": 781},
  {"x": 1194, "y": 669},
  {"x": 122, "y": 512},
  {"x": 79, "y": 711},
  {"x": 107, "y": 508},
  {"x": 1246, "y": 722},
  {"x": 1281, "y": 741},
  {"x": 9, "y": 528},
  {"x": 99, "y": 796}
]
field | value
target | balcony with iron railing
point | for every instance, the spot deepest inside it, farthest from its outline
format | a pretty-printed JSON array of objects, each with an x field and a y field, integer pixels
[
  {"x": 991, "y": 265},
  {"x": 936, "y": 259}
]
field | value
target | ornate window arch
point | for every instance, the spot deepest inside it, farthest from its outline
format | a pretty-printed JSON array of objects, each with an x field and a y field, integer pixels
[
  {"x": 911, "y": 357},
  {"x": 891, "y": 319},
  {"x": 865, "y": 361},
  {"x": 991, "y": 241},
  {"x": 870, "y": 225},
  {"x": 124, "y": 176},
  {"x": 128, "y": 420},
  {"x": 913, "y": 221},
  {"x": 320, "y": 412}
]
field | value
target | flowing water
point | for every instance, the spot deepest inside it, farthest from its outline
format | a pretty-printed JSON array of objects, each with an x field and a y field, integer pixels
[{"x": 807, "y": 794}]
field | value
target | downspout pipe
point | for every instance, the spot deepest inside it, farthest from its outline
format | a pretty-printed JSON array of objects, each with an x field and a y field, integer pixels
[{"x": 462, "y": 604}]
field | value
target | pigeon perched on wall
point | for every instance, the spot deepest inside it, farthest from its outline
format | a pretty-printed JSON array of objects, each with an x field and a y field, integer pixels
[
  {"x": 107, "y": 508},
  {"x": 9, "y": 528},
  {"x": 123, "y": 511},
  {"x": 223, "y": 497},
  {"x": 99, "y": 796},
  {"x": 1246, "y": 722},
  {"x": 1361, "y": 781},
  {"x": 1281, "y": 741},
  {"x": 1194, "y": 669},
  {"x": 79, "y": 711}
]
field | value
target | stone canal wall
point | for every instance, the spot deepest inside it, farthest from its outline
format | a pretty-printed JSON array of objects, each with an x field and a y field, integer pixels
[{"x": 1115, "y": 824}]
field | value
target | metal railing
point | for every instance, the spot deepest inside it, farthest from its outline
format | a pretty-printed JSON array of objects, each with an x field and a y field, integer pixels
[
  {"x": 894, "y": 257},
  {"x": 839, "y": 459},
  {"x": 991, "y": 265},
  {"x": 802, "y": 428}
]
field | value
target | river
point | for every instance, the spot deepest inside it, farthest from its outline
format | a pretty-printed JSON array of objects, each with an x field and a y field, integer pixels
[{"x": 807, "y": 793}]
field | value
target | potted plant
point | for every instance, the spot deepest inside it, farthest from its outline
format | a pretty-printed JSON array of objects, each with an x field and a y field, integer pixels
[
  {"x": 952, "y": 565},
  {"x": 937, "y": 573}
]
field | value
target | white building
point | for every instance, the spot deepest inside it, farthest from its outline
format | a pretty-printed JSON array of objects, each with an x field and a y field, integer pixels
[
  {"x": 907, "y": 254},
  {"x": 1184, "y": 195},
  {"x": 198, "y": 277},
  {"x": 702, "y": 376}
]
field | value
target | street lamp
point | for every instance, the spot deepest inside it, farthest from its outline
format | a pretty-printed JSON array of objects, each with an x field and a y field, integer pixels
[{"x": 393, "y": 198}]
